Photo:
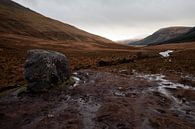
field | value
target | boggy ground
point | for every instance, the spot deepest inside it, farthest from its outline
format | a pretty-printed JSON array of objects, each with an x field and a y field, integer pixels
[
  {"x": 104, "y": 100},
  {"x": 111, "y": 95},
  {"x": 110, "y": 58}
]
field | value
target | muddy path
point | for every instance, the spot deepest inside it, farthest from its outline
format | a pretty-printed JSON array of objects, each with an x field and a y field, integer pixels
[{"x": 101, "y": 100}]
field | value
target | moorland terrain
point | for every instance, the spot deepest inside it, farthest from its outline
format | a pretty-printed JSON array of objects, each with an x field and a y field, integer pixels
[{"x": 120, "y": 86}]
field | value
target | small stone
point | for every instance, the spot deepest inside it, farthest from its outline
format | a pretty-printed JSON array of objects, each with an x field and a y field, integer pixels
[
  {"x": 50, "y": 116},
  {"x": 120, "y": 88},
  {"x": 125, "y": 72}
]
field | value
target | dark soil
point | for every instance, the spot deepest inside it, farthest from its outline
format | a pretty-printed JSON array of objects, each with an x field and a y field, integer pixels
[{"x": 101, "y": 100}]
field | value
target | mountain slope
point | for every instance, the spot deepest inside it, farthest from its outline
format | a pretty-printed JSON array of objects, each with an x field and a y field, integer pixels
[
  {"x": 18, "y": 20},
  {"x": 162, "y": 35},
  {"x": 187, "y": 37}
]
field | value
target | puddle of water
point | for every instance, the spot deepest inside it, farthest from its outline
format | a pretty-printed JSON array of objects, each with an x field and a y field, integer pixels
[
  {"x": 77, "y": 80},
  {"x": 125, "y": 93},
  {"x": 119, "y": 93},
  {"x": 163, "y": 83},
  {"x": 80, "y": 78},
  {"x": 166, "y": 53},
  {"x": 164, "y": 87}
]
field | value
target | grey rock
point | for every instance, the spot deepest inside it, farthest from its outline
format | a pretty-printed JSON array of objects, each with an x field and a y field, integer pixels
[{"x": 45, "y": 70}]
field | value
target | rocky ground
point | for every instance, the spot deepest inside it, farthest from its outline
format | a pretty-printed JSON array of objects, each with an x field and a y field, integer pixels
[
  {"x": 122, "y": 89},
  {"x": 104, "y": 100}
]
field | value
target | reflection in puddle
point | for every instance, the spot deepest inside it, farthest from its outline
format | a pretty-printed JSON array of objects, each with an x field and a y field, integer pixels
[
  {"x": 166, "y": 53},
  {"x": 180, "y": 105},
  {"x": 76, "y": 80}
]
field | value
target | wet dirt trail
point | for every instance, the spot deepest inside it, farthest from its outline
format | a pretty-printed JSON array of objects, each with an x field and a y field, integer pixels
[{"x": 101, "y": 100}]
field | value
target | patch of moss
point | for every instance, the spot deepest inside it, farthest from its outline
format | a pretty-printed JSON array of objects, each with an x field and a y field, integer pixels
[
  {"x": 67, "y": 82},
  {"x": 20, "y": 90},
  {"x": 15, "y": 91}
]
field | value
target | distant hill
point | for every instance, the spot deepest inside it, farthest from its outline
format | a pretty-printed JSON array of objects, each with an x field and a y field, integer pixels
[
  {"x": 162, "y": 35},
  {"x": 186, "y": 37},
  {"x": 128, "y": 41},
  {"x": 18, "y": 20}
]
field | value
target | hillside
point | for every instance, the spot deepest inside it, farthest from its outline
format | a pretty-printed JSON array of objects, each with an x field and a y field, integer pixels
[
  {"x": 187, "y": 37},
  {"x": 20, "y": 21},
  {"x": 128, "y": 41},
  {"x": 22, "y": 29},
  {"x": 162, "y": 35}
]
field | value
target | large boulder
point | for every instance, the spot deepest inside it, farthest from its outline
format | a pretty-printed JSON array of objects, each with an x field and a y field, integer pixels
[{"x": 45, "y": 70}]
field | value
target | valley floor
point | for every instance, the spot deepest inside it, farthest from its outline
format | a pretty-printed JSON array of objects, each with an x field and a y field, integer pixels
[
  {"x": 13, "y": 52},
  {"x": 103, "y": 100},
  {"x": 118, "y": 88}
]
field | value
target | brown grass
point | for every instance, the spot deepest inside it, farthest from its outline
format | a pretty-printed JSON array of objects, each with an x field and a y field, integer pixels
[
  {"x": 13, "y": 52},
  {"x": 84, "y": 55}
]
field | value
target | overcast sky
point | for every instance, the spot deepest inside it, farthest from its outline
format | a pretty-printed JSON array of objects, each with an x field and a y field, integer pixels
[{"x": 117, "y": 19}]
